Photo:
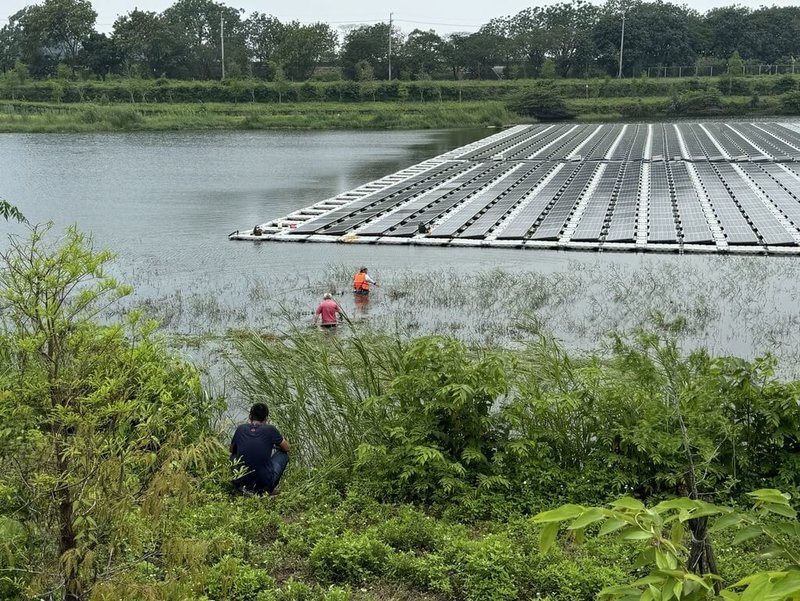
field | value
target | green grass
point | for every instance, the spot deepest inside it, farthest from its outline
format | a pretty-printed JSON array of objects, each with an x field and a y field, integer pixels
[{"x": 25, "y": 117}]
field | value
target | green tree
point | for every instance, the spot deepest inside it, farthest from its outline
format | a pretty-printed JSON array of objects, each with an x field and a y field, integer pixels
[
  {"x": 548, "y": 70},
  {"x": 196, "y": 25},
  {"x": 371, "y": 43},
  {"x": 728, "y": 30},
  {"x": 147, "y": 44},
  {"x": 569, "y": 28},
  {"x": 101, "y": 428},
  {"x": 423, "y": 53},
  {"x": 101, "y": 55}
]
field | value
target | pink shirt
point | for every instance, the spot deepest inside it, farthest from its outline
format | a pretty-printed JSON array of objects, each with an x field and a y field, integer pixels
[{"x": 328, "y": 310}]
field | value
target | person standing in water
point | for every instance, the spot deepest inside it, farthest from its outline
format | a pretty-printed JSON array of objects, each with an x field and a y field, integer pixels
[
  {"x": 362, "y": 281},
  {"x": 329, "y": 311}
]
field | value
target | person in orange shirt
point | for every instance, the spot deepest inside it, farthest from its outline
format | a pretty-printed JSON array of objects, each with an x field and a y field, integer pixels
[{"x": 361, "y": 282}]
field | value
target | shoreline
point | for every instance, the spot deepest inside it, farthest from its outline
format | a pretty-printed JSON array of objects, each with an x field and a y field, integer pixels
[{"x": 17, "y": 116}]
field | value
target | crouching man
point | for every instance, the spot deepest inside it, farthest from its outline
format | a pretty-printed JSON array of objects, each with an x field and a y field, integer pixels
[{"x": 259, "y": 448}]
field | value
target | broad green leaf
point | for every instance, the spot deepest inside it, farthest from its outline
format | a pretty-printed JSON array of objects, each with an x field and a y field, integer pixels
[
  {"x": 595, "y": 514},
  {"x": 635, "y": 533},
  {"x": 548, "y": 536},
  {"x": 680, "y": 503},
  {"x": 665, "y": 560},
  {"x": 565, "y": 512},
  {"x": 612, "y": 525},
  {"x": 677, "y": 532},
  {"x": 746, "y": 534},
  {"x": 758, "y": 589},
  {"x": 628, "y": 503},
  {"x": 782, "y": 510},
  {"x": 726, "y": 521},
  {"x": 785, "y": 586}
]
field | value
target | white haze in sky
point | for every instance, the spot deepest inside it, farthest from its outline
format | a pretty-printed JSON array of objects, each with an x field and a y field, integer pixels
[{"x": 444, "y": 16}]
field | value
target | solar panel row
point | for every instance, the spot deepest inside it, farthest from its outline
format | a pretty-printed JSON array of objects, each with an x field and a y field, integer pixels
[
  {"x": 543, "y": 195},
  {"x": 433, "y": 212},
  {"x": 417, "y": 183},
  {"x": 593, "y": 219},
  {"x": 624, "y": 211},
  {"x": 496, "y": 212},
  {"x": 454, "y": 188},
  {"x": 554, "y": 220}
]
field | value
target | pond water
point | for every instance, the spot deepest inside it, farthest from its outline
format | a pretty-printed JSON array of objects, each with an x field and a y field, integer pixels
[{"x": 165, "y": 203}]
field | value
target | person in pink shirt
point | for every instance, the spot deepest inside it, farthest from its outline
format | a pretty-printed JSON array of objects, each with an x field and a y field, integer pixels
[{"x": 328, "y": 310}]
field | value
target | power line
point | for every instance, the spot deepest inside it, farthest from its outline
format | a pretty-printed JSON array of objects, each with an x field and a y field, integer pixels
[{"x": 437, "y": 23}]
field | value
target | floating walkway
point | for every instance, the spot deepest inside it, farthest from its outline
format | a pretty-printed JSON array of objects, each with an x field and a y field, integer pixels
[{"x": 702, "y": 187}]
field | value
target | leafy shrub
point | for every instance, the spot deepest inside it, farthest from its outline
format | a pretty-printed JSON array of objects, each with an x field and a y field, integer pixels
[
  {"x": 790, "y": 103},
  {"x": 348, "y": 558},
  {"x": 439, "y": 435},
  {"x": 231, "y": 580},
  {"x": 428, "y": 572},
  {"x": 485, "y": 569},
  {"x": 542, "y": 102},
  {"x": 410, "y": 531},
  {"x": 705, "y": 102},
  {"x": 124, "y": 117},
  {"x": 784, "y": 84}
]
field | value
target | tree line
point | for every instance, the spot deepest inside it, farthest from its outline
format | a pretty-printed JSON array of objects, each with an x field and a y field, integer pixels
[{"x": 58, "y": 38}]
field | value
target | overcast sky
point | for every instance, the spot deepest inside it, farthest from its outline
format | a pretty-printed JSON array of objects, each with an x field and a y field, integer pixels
[{"x": 445, "y": 16}]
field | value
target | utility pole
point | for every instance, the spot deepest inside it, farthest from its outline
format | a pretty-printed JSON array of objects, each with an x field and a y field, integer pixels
[
  {"x": 621, "y": 45},
  {"x": 390, "y": 46},
  {"x": 222, "y": 42}
]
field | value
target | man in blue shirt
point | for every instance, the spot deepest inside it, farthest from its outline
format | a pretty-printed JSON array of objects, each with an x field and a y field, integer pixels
[{"x": 262, "y": 450}]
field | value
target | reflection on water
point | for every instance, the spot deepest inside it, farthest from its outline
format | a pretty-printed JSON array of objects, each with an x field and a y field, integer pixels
[{"x": 166, "y": 201}]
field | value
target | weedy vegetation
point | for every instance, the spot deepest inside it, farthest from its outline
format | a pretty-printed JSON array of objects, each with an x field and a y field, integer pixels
[{"x": 423, "y": 466}]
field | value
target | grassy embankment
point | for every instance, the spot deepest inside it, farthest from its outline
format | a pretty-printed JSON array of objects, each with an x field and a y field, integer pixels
[{"x": 61, "y": 106}]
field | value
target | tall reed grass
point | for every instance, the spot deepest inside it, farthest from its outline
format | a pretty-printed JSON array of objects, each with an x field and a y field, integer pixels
[{"x": 318, "y": 385}]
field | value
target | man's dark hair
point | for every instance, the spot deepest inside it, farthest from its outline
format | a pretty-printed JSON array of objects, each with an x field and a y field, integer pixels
[{"x": 259, "y": 412}]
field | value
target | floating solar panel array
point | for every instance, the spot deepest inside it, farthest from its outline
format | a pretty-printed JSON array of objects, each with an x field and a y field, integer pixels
[{"x": 705, "y": 187}]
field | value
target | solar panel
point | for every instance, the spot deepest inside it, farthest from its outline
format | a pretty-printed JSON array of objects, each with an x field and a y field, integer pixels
[
  {"x": 662, "y": 227},
  {"x": 706, "y": 143},
  {"x": 594, "y": 217},
  {"x": 672, "y": 147},
  {"x": 537, "y": 202},
  {"x": 657, "y": 150},
  {"x": 604, "y": 143},
  {"x": 467, "y": 211},
  {"x": 733, "y": 223},
  {"x": 778, "y": 149},
  {"x": 583, "y": 183},
  {"x": 410, "y": 226},
  {"x": 452, "y": 190},
  {"x": 498, "y": 210},
  {"x": 623, "y": 149},
  {"x": 732, "y": 147},
  {"x": 788, "y": 135},
  {"x": 768, "y": 178},
  {"x": 421, "y": 181},
  {"x": 752, "y": 150},
  {"x": 489, "y": 150},
  {"x": 766, "y": 224},
  {"x": 524, "y": 150},
  {"x": 552, "y": 224},
  {"x": 624, "y": 212},
  {"x": 694, "y": 225},
  {"x": 694, "y": 149}
]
